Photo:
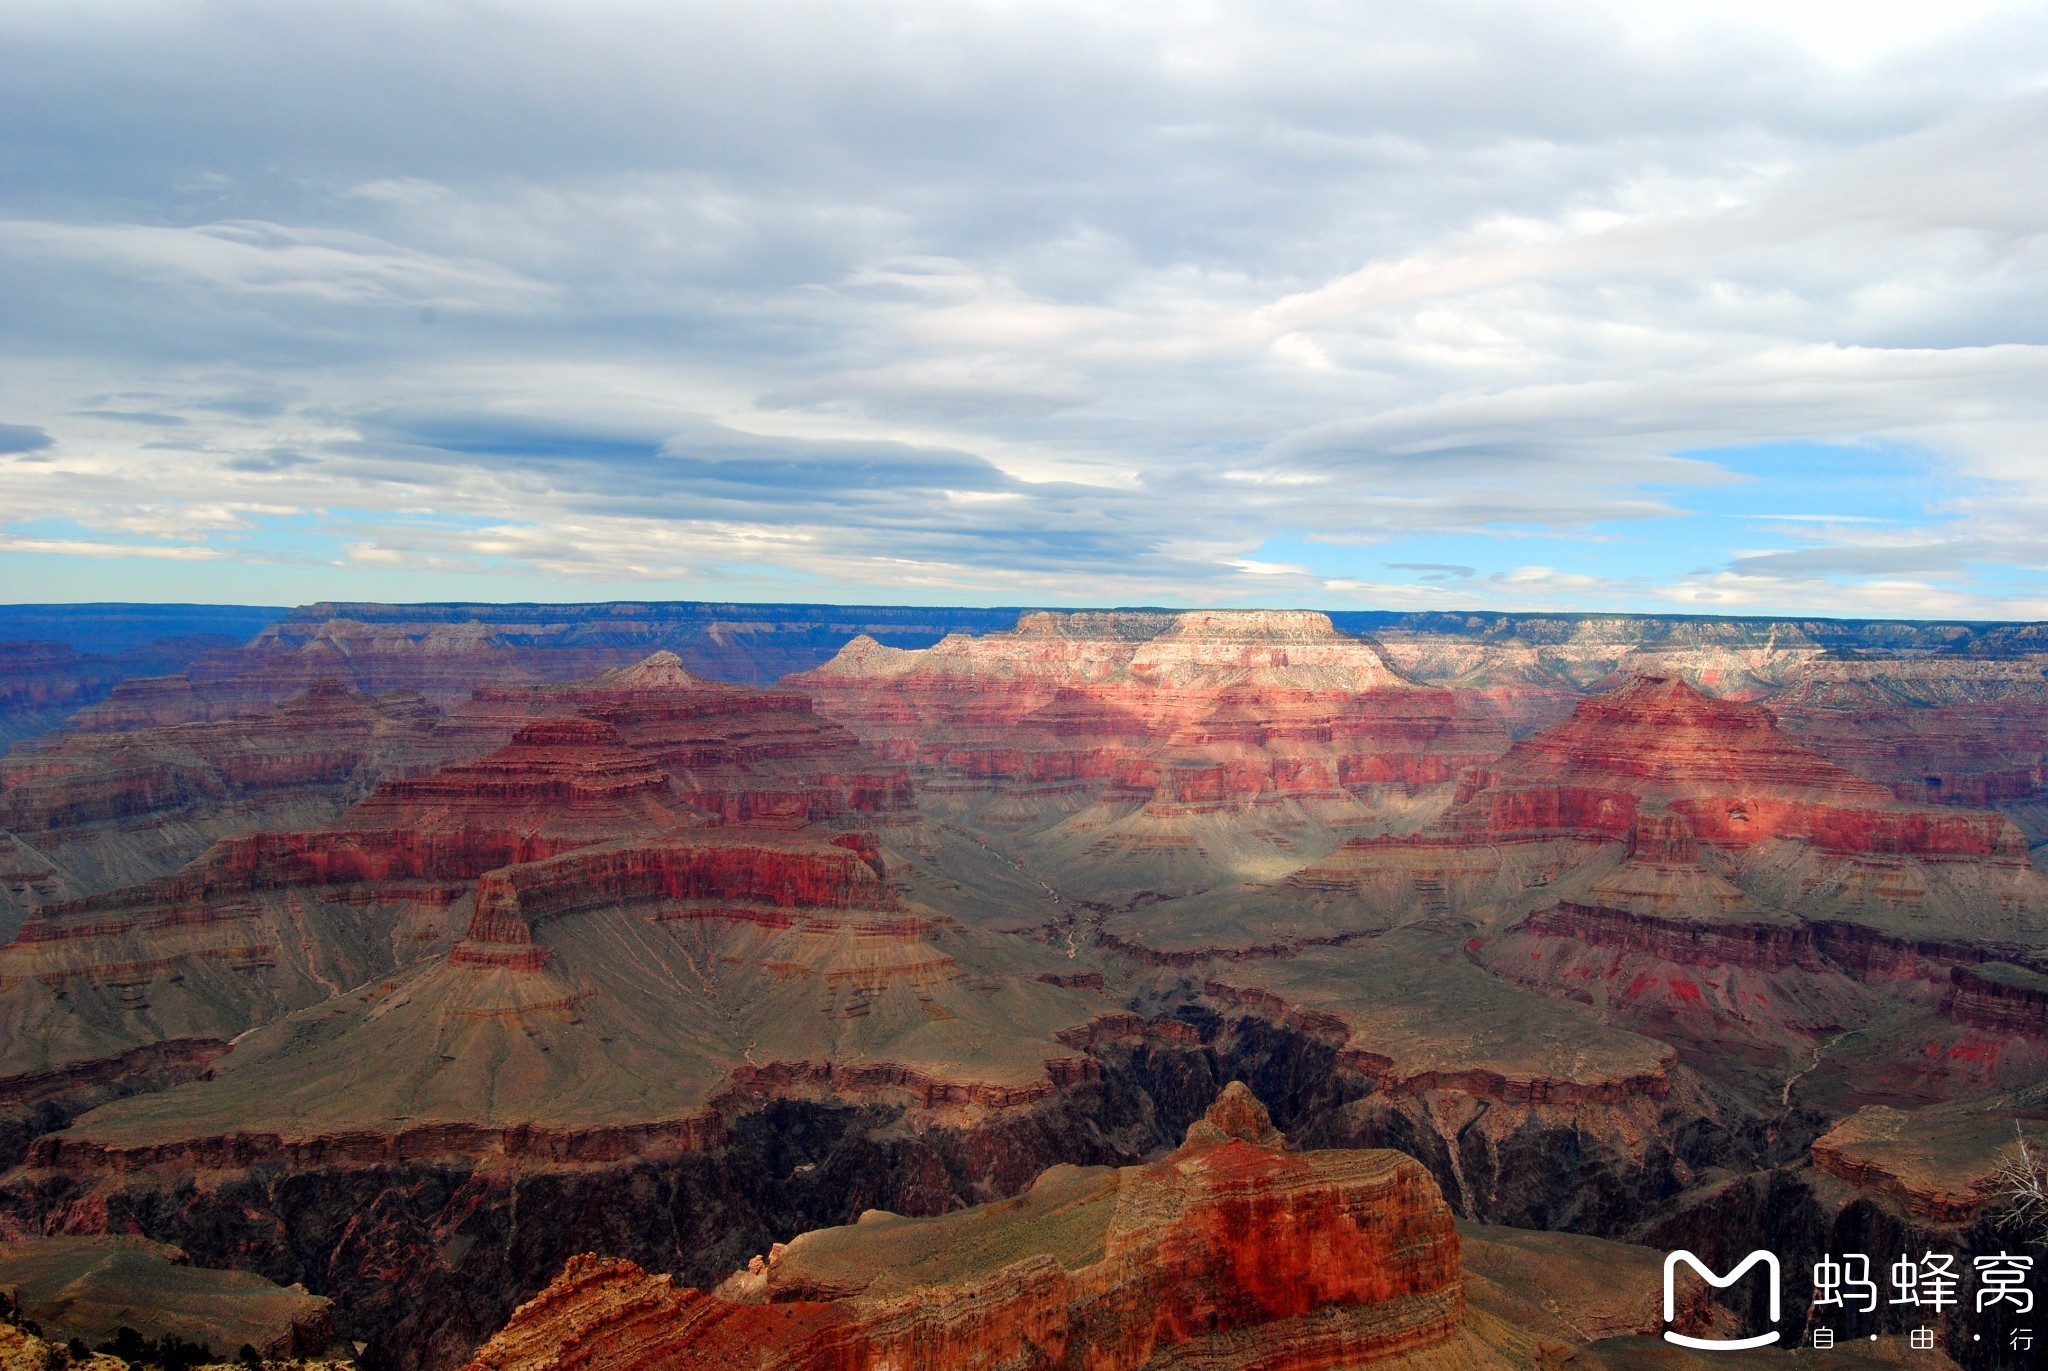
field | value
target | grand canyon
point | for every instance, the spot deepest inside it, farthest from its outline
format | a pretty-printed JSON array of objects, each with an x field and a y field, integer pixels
[{"x": 702, "y": 985}]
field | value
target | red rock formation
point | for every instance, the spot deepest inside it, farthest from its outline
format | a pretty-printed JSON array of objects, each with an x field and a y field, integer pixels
[
  {"x": 1725, "y": 767},
  {"x": 1714, "y": 815},
  {"x": 1230, "y": 1248},
  {"x": 395, "y": 866},
  {"x": 111, "y": 808},
  {"x": 1189, "y": 710},
  {"x": 750, "y": 757},
  {"x": 723, "y": 871},
  {"x": 1935, "y": 731},
  {"x": 1999, "y": 998},
  {"x": 1682, "y": 942}
]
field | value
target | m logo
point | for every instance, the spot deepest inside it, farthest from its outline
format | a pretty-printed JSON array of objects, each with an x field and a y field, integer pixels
[{"x": 1770, "y": 1262}]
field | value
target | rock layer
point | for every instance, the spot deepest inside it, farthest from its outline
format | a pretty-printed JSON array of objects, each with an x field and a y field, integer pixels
[
  {"x": 1232, "y": 1252},
  {"x": 111, "y": 809},
  {"x": 1149, "y": 752}
]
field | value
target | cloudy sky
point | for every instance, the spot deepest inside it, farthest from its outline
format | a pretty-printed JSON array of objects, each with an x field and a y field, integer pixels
[{"x": 1740, "y": 309}]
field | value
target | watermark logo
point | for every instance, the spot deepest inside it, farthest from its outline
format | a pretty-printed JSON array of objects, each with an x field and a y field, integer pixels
[{"x": 1768, "y": 1260}]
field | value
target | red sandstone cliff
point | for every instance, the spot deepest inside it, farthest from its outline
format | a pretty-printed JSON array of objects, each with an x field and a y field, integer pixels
[
  {"x": 1198, "y": 708},
  {"x": 111, "y": 809},
  {"x": 1231, "y": 1252},
  {"x": 750, "y": 757},
  {"x": 1140, "y": 754},
  {"x": 1936, "y": 731},
  {"x": 550, "y": 934}
]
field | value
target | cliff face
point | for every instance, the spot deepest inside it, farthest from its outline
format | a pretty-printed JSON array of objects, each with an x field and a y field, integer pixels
[
  {"x": 1999, "y": 999},
  {"x": 1717, "y": 899},
  {"x": 1114, "y": 699},
  {"x": 1231, "y": 1252},
  {"x": 110, "y": 809},
  {"x": 750, "y": 757},
  {"x": 1971, "y": 733},
  {"x": 548, "y": 937},
  {"x": 444, "y": 651},
  {"x": 1690, "y": 782},
  {"x": 1656, "y": 801},
  {"x": 1725, "y": 767},
  {"x": 1160, "y": 752}
]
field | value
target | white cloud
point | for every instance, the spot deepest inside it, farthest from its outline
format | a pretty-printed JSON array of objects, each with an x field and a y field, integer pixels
[
  {"x": 1045, "y": 302},
  {"x": 252, "y": 257}
]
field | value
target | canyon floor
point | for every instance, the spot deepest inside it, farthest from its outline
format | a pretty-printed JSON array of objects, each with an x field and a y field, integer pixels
[{"x": 446, "y": 985}]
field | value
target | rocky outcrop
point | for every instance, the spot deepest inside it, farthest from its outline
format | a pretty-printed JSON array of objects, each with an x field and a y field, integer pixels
[
  {"x": 1942, "y": 1164},
  {"x": 750, "y": 757},
  {"x": 1999, "y": 998},
  {"x": 426, "y": 1253},
  {"x": 445, "y": 651},
  {"x": 1232, "y": 1251},
  {"x": 1935, "y": 731},
  {"x": 33, "y": 1103},
  {"x": 1724, "y": 767},
  {"x": 1484, "y": 1046},
  {"x": 1715, "y": 816},
  {"x": 88, "y": 1288},
  {"x": 576, "y": 812},
  {"x": 551, "y": 951},
  {"x": 1195, "y": 709},
  {"x": 111, "y": 809},
  {"x": 1150, "y": 752},
  {"x": 1775, "y": 946}
]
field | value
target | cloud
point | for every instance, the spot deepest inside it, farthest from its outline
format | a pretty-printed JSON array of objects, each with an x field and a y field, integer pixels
[
  {"x": 1058, "y": 302},
  {"x": 257, "y": 258},
  {"x": 80, "y": 547}
]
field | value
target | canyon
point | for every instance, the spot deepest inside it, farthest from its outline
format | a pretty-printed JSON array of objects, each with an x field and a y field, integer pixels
[{"x": 504, "y": 975}]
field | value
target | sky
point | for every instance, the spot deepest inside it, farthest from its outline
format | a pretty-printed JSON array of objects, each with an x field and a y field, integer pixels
[{"x": 1737, "y": 308}]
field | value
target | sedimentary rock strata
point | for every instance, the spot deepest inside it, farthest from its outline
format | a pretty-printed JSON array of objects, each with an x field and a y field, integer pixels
[
  {"x": 571, "y": 947},
  {"x": 750, "y": 757},
  {"x": 445, "y": 651},
  {"x": 1942, "y": 1163},
  {"x": 1940, "y": 731},
  {"x": 1159, "y": 752},
  {"x": 556, "y": 933},
  {"x": 110, "y": 809},
  {"x": 1230, "y": 1252}
]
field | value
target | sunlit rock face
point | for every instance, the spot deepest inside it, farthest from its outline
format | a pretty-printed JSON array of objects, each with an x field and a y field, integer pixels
[
  {"x": 1231, "y": 1251},
  {"x": 1160, "y": 754}
]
